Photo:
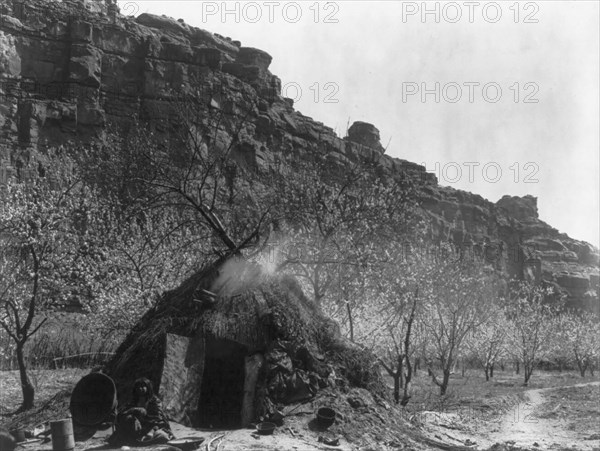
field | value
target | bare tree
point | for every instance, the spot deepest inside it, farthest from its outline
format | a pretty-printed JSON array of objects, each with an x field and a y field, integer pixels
[
  {"x": 487, "y": 343},
  {"x": 38, "y": 250},
  {"x": 389, "y": 319},
  {"x": 185, "y": 165},
  {"x": 457, "y": 296},
  {"x": 529, "y": 331},
  {"x": 340, "y": 225},
  {"x": 580, "y": 334},
  {"x": 397, "y": 361}
]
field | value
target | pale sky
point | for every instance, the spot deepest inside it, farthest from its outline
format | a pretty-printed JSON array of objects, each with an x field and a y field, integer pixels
[{"x": 517, "y": 107}]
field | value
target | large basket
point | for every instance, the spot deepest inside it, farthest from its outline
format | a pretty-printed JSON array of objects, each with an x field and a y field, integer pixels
[{"x": 94, "y": 400}]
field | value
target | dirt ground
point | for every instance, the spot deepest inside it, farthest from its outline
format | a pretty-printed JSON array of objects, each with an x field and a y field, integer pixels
[
  {"x": 544, "y": 419},
  {"x": 555, "y": 412},
  {"x": 579, "y": 407},
  {"x": 237, "y": 440}
]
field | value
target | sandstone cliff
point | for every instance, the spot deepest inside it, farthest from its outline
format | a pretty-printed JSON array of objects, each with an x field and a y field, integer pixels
[{"x": 67, "y": 69}]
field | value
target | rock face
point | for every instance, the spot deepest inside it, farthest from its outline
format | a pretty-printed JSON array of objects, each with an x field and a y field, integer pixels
[
  {"x": 365, "y": 134},
  {"x": 520, "y": 208},
  {"x": 67, "y": 69}
]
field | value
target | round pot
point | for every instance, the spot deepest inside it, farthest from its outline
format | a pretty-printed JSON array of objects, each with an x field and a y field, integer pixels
[
  {"x": 325, "y": 417},
  {"x": 265, "y": 428}
]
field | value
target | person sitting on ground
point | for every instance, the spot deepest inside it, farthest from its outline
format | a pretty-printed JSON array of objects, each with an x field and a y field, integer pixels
[{"x": 143, "y": 420}]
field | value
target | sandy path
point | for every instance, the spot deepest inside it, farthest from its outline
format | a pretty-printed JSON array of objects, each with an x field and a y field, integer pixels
[{"x": 521, "y": 425}]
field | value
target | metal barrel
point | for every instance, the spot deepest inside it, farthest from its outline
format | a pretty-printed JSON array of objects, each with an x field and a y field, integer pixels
[{"x": 62, "y": 435}]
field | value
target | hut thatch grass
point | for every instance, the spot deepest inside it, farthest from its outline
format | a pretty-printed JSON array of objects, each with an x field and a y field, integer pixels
[{"x": 233, "y": 311}]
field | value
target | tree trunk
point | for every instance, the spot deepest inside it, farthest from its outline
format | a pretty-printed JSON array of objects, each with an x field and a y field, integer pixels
[
  {"x": 582, "y": 368},
  {"x": 487, "y": 373},
  {"x": 445, "y": 381},
  {"x": 417, "y": 365},
  {"x": 528, "y": 368},
  {"x": 491, "y": 370},
  {"x": 396, "y": 377},
  {"x": 406, "y": 383},
  {"x": 26, "y": 385},
  {"x": 517, "y": 366},
  {"x": 350, "y": 321},
  {"x": 463, "y": 368}
]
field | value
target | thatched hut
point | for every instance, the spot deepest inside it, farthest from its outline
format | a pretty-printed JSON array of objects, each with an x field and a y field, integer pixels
[{"x": 231, "y": 343}]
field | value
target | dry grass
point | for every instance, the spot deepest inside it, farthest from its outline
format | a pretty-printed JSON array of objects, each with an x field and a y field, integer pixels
[
  {"x": 47, "y": 384},
  {"x": 52, "y": 397},
  {"x": 471, "y": 395},
  {"x": 578, "y": 407}
]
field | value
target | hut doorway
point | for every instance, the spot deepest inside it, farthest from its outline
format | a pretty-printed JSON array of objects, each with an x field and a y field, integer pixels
[{"x": 222, "y": 390}]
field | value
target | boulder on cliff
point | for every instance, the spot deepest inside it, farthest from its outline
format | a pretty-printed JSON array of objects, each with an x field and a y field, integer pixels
[
  {"x": 365, "y": 134},
  {"x": 521, "y": 208}
]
